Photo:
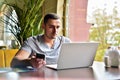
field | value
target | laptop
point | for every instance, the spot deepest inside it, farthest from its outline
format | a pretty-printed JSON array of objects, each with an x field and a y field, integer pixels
[{"x": 76, "y": 55}]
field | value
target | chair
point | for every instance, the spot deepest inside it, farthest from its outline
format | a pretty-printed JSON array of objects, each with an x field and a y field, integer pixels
[
  {"x": 2, "y": 62},
  {"x": 9, "y": 54}
]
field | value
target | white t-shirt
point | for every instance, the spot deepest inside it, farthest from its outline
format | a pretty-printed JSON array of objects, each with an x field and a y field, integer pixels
[{"x": 36, "y": 44}]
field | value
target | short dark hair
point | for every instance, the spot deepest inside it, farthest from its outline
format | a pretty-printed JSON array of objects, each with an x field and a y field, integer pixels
[{"x": 50, "y": 16}]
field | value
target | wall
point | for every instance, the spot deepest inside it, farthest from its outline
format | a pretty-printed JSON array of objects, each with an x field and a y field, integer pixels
[
  {"x": 54, "y": 6},
  {"x": 12, "y": 2},
  {"x": 78, "y": 27},
  {"x": 1, "y": 3}
]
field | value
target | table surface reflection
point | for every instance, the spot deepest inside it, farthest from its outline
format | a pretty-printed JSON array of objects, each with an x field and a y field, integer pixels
[{"x": 97, "y": 72}]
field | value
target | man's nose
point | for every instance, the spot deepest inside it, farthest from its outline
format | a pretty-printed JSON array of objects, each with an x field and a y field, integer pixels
[{"x": 55, "y": 29}]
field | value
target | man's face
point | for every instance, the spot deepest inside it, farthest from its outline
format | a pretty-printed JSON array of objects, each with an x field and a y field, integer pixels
[{"x": 52, "y": 28}]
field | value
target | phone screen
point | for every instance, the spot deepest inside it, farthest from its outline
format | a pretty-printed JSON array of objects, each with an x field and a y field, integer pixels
[{"x": 41, "y": 56}]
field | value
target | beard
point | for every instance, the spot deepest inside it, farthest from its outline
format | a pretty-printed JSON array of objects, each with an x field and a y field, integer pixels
[{"x": 52, "y": 36}]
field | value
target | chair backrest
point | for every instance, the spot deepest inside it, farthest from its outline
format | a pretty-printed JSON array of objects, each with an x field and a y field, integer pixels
[
  {"x": 9, "y": 54},
  {"x": 2, "y": 61}
]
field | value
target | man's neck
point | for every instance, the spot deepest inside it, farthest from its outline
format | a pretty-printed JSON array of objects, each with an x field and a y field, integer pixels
[{"x": 48, "y": 41}]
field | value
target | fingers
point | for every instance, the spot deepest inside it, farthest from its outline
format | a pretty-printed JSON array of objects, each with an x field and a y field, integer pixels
[
  {"x": 40, "y": 64},
  {"x": 41, "y": 61},
  {"x": 37, "y": 63},
  {"x": 33, "y": 56}
]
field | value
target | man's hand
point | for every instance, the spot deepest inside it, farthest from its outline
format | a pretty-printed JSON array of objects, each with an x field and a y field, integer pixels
[{"x": 37, "y": 62}]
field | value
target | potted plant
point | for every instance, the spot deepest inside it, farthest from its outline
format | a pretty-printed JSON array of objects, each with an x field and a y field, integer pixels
[{"x": 27, "y": 20}]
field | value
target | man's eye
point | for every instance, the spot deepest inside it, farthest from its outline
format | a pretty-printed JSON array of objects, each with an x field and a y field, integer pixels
[
  {"x": 51, "y": 26},
  {"x": 58, "y": 27}
]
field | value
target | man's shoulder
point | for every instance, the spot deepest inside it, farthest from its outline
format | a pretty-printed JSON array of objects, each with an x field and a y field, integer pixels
[
  {"x": 36, "y": 37},
  {"x": 64, "y": 38}
]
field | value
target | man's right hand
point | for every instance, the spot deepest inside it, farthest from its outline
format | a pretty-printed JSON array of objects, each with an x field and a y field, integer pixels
[{"x": 37, "y": 62}]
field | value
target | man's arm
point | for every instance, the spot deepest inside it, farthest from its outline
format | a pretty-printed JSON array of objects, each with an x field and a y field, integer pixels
[{"x": 21, "y": 59}]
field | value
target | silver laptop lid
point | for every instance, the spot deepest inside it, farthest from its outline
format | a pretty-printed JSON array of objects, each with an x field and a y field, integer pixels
[{"x": 73, "y": 55}]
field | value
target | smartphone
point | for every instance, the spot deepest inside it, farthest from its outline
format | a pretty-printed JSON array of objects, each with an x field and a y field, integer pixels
[{"x": 41, "y": 56}]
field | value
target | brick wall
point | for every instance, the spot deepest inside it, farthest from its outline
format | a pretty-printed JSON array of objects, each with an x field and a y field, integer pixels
[{"x": 78, "y": 27}]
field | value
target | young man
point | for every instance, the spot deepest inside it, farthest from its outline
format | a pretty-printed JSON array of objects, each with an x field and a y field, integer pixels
[{"x": 48, "y": 44}]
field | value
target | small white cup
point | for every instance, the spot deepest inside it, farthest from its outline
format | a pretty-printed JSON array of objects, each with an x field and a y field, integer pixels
[{"x": 107, "y": 61}]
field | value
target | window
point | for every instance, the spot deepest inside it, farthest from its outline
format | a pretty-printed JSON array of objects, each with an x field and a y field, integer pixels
[{"x": 91, "y": 20}]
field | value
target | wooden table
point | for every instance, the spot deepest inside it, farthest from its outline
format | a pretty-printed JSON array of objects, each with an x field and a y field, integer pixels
[{"x": 96, "y": 72}]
